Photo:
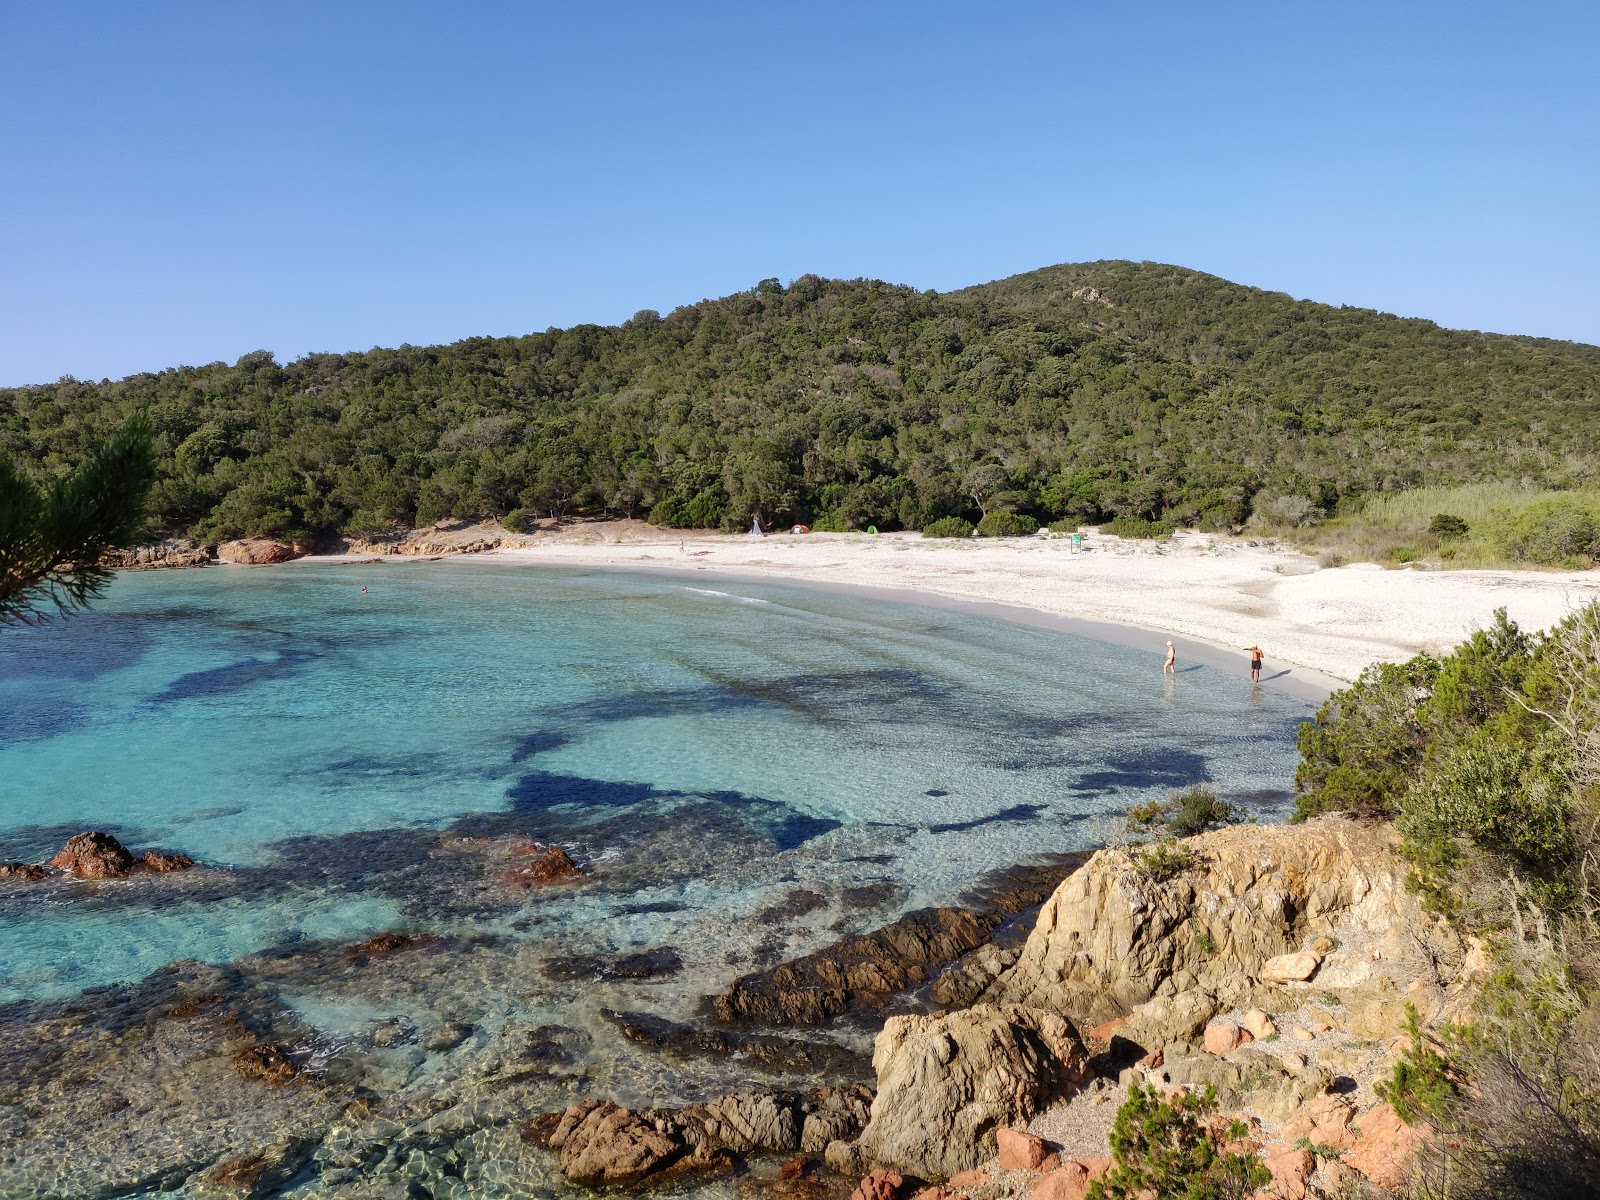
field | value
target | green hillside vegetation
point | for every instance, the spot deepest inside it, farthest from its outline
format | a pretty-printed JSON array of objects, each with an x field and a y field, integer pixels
[
  {"x": 1488, "y": 761},
  {"x": 1076, "y": 393}
]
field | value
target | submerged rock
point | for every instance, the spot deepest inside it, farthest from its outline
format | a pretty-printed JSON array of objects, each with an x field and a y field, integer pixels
[
  {"x": 21, "y": 872},
  {"x": 547, "y": 865},
  {"x": 761, "y": 1052},
  {"x": 947, "y": 1084}
]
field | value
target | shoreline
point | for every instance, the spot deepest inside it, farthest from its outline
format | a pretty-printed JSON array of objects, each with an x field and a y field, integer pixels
[{"x": 1212, "y": 595}]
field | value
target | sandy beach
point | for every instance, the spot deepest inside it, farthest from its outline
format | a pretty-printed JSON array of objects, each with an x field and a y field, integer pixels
[{"x": 1208, "y": 593}]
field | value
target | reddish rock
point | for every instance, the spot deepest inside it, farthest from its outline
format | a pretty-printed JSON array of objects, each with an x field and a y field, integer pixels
[
  {"x": 159, "y": 862},
  {"x": 1224, "y": 1037},
  {"x": 1301, "y": 1034},
  {"x": 269, "y": 1064},
  {"x": 795, "y": 1168},
  {"x": 1154, "y": 1059},
  {"x": 881, "y": 1185},
  {"x": 549, "y": 864},
  {"x": 1290, "y": 968},
  {"x": 1322, "y": 1121},
  {"x": 1294, "y": 1064},
  {"x": 21, "y": 872},
  {"x": 1071, "y": 1180},
  {"x": 94, "y": 855},
  {"x": 967, "y": 1180},
  {"x": 1259, "y": 1024},
  {"x": 603, "y": 1143},
  {"x": 1020, "y": 1151},
  {"x": 1106, "y": 1029},
  {"x": 1290, "y": 1169},
  {"x": 938, "y": 1193},
  {"x": 1384, "y": 1149},
  {"x": 256, "y": 551}
]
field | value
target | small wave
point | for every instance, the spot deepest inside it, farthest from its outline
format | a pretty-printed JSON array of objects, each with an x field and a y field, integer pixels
[{"x": 727, "y": 595}]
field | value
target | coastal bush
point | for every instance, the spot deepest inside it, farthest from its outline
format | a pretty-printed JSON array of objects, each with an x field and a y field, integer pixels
[
  {"x": 1162, "y": 859},
  {"x": 1420, "y": 1086},
  {"x": 1183, "y": 814},
  {"x": 1138, "y": 527},
  {"x": 1560, "y": 531},
  {"x": 518, "y": 520},
  {"x": 1001, "y": 523},
  {"x": 1176, "y": 1147},
  {"x": 1065, "y": 525},
  {"x": 1446, "y": 526},
  {"x": 948, "y": 527}
]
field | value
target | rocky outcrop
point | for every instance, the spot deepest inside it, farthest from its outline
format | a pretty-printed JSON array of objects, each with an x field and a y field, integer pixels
[
  {"x": 857, "y": 972},
  {"x": 947, "y": 1084},
  {"x": 97, "y": 855},
  {"x": 546, "y": 865},
  {"x": 258, "y": 551},
  {"x": 602, "y": 1143},
  {"x": 170, "y": 552},
  {"x": 21, "y": 872},
  {"x": 1111, "y": 938}
]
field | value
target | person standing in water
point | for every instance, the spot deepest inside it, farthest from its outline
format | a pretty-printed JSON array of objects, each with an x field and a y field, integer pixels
[
  {"x": 1255, "y": 663},
  {"x": 1170, "y": 667}
]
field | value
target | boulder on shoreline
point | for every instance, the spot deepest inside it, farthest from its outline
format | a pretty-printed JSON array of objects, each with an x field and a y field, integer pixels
[
  {"x": 258, "y": 551},
  {"x": 169, "y": 552},
  {"x": 546, "y": 865},
  {"x": 948, "y": 1084}
]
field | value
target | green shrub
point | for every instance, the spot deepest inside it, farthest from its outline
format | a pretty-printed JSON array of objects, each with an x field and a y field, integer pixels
[
  {"x": 1001, "y": 523},
  {"x": 1138, "y": 527},
  {"x": 518, "y": 520},
  {"x": 1162, "y": 860},
  {"x": 1560, "y": 531},
  {"x": 1446, "y": 526},
  {"x": 1360, "y": 753},
  {"x": 1174, "y": 1148},
  {"x": 1183, "y": 814},
  {"x": 1065, "y": 525},
  {"x": 1420, "y": 1087},
  {"x": 948, "y": 527}
]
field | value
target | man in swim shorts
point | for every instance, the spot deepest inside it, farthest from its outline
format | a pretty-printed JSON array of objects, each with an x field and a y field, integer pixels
[
  {"x": 1255, "y": 663},
  {"x": 1170, "y": 667}
]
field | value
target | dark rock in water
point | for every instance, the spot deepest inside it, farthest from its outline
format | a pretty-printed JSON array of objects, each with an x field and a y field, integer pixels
[
  {"x": 94, "y": 855},
  {"x": 658, "y": 963},
  {"x": 445, "y": 1037},
  {"x": 269, "y": 1064},
  {"x": 159, "y": 862},
  {"x": 602, "y": 1143},
  {"x": 97, "y": 855},
  {"x": 255, "y": 1173},
  {"x": 547, "y": 865},
  {"x": 1012, "y": 889},
  {"x": 856, "y": 972},
  {"x": 19, "y": 872},
  {"x": 391, "y": 940},
  {"x": 797, "y": 903},
  {"x": 870, "y": 896},
  {"x": 763, "y": 1052}
]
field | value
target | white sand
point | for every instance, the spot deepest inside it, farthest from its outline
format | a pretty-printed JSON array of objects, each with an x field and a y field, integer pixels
[{"x": 1219, "y": 592}]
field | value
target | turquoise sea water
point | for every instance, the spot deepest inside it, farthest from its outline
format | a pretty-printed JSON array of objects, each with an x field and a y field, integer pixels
[{"x": 303, "y": 734}]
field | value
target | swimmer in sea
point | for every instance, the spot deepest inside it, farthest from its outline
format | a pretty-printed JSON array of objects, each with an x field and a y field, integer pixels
[
  {"x": 1255, "y": 663},
  {"x": 1170, "y": 667}
]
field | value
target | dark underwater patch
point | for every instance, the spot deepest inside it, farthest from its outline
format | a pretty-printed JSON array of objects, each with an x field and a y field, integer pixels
[
  {"x": 219, "y": 681},
  {"x": 537, "y": 743},
  {"x": 540, "y": 791},
  {"x": 1158, "y": 766},
  {"x": 92, "y": 644},
  {"x": 31, "y": 720},
  {"x": 1016, "y": 813}
]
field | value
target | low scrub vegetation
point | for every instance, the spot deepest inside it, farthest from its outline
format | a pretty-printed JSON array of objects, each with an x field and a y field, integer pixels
[
  {"x": 1176, "y": 1146},
  {"x": 1488, "y": 760},
  {"x": 948, "y": 527},
  {"x": 1007, "y": 524},
  {"x": 1478, "y": 525}
]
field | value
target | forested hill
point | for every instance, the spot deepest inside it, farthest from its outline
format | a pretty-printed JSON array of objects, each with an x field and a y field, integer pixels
[{"x": 1084, "y": 391}]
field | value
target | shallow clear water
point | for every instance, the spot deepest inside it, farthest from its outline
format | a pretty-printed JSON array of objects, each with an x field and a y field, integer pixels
[{"x": 287, "y": 725}]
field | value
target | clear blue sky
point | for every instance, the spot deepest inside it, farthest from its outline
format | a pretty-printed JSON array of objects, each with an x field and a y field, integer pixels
[{"x": 185, "y": 182}]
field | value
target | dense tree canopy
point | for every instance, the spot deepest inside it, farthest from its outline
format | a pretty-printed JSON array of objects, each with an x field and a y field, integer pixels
[{"x": 1088, "y": 392}]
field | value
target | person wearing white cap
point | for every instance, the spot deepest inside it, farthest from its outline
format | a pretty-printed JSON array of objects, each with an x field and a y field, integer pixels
[{"x": 1170, "y": 667}]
